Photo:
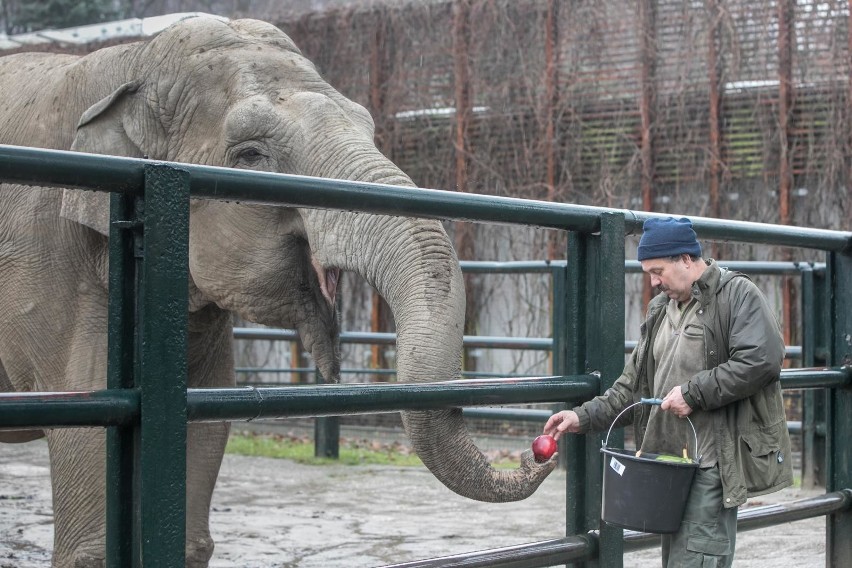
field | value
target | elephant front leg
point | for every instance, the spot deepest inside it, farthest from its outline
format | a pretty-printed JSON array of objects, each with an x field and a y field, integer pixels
[
  {"x": 77, "y": 476},
  {"x": 205, "y": 446},
  {"x": 210, "y": 365}
]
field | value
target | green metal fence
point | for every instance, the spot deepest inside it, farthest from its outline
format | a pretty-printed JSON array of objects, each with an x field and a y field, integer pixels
[
  {"x": 147, "y": 405},
  {"x": 811, "y": 429}
]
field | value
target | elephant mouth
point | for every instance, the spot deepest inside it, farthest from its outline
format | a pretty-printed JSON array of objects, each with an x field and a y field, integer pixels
[{"x": 328, "y": 280}]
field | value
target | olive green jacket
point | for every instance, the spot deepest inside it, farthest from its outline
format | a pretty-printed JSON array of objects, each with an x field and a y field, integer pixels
[{"x": 744, "y": 352}]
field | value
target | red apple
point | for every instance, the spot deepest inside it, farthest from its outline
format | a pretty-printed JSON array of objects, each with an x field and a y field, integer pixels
[{"x": 543, "y": 447}]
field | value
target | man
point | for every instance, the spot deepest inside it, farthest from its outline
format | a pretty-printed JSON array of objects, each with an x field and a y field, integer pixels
[{"x": 712, "y": 349}]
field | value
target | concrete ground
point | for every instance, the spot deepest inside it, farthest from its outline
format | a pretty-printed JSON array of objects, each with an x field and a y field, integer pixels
[{"x": 276, "y": 513}]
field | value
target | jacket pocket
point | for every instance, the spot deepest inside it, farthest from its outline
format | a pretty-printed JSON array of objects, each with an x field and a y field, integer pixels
[
  {"x": 694, "y": 331},
  {"x": 763, "y": 456},
  {"x": 710, "y": 546}
]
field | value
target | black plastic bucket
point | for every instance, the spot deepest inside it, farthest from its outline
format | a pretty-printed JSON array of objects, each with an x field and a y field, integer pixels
[{"x": 642, "y": 493}]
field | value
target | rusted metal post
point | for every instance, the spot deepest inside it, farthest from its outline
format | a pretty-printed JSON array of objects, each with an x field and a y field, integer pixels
[
  {"x": 648, "y": 102},
  {"x": 378, "y": 96},
  {"x": 785, "y": 172},
  {"x": 849, "y": 95},
  {"x": 715, "y": 120},
  {"x": 378, "y": 318},
  {"x": 378, "y": 79},
  {"x": 461, "y": 71},
  {"x": 464, "y": 231},
  {"x": 297, "y": 361},
  {"x": 551, "y": 76}
]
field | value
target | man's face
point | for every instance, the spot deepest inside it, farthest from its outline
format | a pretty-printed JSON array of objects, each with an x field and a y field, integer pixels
[{"x": 673, "y": 277}]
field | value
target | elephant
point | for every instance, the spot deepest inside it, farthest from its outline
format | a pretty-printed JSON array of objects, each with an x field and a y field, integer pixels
[{"x": 237, "y": 94}]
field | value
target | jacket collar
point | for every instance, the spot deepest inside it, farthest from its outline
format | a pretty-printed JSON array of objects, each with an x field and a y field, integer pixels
[
  {"x": 708, "y": 284},
  {"x": 703, "y": 289}
]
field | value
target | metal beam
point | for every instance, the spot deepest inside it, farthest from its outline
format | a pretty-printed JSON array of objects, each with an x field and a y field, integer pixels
[
  {"x": 163, "y": 299},
  {"x": 839, "y": 409},
  {"x": 337, "y": 400},
  {"x": 57, "y": 168}
]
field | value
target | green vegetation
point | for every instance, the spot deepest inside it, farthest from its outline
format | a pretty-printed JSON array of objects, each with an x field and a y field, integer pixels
[
  {"x": 301, "y": 450},
  {"x": 352, "y": 452},
  {"x": 674, "y": 459}
]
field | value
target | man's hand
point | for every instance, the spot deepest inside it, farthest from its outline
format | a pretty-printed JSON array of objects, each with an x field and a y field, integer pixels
[
  {"x": 674, "y": 403},
  {"x": 561, "y": 422}
]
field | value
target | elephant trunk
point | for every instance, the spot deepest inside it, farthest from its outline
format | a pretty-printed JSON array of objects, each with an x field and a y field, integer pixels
[
  {"x": 412, "y": 264},
  {"x": 429, "y": 350}
]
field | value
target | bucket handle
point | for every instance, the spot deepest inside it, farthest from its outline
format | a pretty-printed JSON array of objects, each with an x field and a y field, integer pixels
[{"x": 654, "y": 402}]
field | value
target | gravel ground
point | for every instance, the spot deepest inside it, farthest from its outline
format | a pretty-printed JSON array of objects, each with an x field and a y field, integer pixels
[{"x": 275, "y": 513}]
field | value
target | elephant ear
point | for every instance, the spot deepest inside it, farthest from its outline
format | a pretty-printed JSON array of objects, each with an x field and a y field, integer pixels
[{"x": 101, "y": 130}]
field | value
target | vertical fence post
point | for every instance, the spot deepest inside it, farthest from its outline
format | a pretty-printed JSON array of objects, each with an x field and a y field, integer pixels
[
  {"x": 121, "y": 524},
  {"x": 574, "y": 447},
  {"x": 606, "y": 354},
  {"x": 326, "y": 432},
  {"x": 814, "y": 336},
  {"x": 595, "y": 292},
  {"x": 808, "y": 396},
  {"x": 327, "y": 428},
  {"x": 839, "y": 412},
  {"x": 163, "y": 299},
  {"x": 559, "y": 352}
]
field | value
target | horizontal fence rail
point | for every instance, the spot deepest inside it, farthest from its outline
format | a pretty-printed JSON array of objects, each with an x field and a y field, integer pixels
[
  {"x": 35, "y": 166},
  {"x": 764, "y": 516},
  {"x": 482, "y": 341},
  {"x": 114, "y": 407},
  {"x": 634, "y": 266},
  {"x": 545, "y": 553},
  {"x": 121, "y": 406},
  {"x": 276, "y": 402},
  {"x": 558, "y": 551},
  {"x": 382, "y": 338}
]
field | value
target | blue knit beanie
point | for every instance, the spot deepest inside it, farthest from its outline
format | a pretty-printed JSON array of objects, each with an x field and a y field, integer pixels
[{"x": 667, "y": 237}]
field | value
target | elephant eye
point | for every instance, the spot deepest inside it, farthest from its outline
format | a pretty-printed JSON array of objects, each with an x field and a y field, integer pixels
[{"x": 250, "y": 156}]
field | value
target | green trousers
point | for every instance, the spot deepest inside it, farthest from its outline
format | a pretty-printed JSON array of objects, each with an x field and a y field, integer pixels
[{"x": 708, "y": 534}]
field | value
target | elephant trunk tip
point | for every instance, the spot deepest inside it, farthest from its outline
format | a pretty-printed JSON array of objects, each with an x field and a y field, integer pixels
[{"x": 446, "y": 448}]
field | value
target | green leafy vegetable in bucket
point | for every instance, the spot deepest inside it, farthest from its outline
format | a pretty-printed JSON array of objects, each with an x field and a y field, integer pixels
[{"x": 675, "y": 459}]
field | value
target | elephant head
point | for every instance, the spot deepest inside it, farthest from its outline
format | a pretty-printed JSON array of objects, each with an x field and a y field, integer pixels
[{"x": 241, "y": 95}]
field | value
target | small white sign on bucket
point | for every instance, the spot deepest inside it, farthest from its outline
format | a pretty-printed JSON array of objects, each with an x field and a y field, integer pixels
[{"x": 617, "y": 466}]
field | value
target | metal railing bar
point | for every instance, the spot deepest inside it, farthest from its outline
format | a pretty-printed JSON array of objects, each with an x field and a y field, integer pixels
[
  {"x": 750, "y": 266},
  {"x": 213, "y": 405},
  {"x": 763, "y": 516},
  {"x": 36, "y": 166},
  {"x": 365, "y": 371},
  {"x": 512, "y": 267},
  {"x": 383, "y": 338},
  {"x": 115, "y": 407},
  {"x": 820, "y": 377},
  {"x": 582, "y": 546},
  {"x": 544, "y": 553},
  {"x": 790, "y": 351},
  {"x": 634, "y": 266},
  {"x": 61, "y": 168},
  {"x": 512, "y": 414},
  {"x": 481, "y": 341}
]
